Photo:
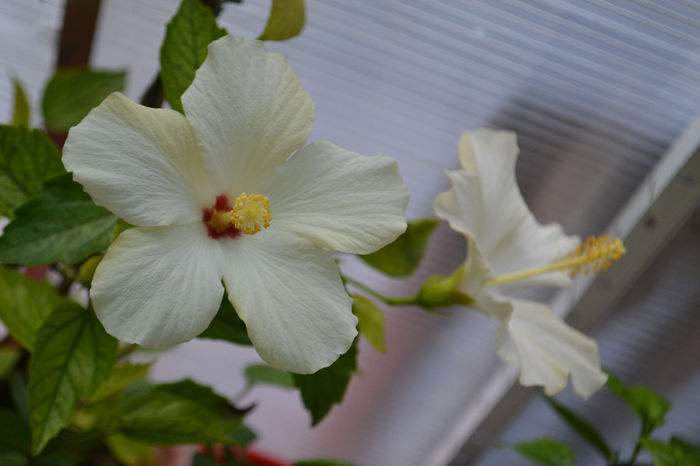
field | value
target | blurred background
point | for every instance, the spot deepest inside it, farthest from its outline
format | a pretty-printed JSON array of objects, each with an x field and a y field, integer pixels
[{"x": 604, "y": 96}]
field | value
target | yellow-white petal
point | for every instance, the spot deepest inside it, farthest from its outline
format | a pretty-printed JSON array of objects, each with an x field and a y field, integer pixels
[
  {"x": 141, "y": 163},
  {"x": 159, "y": 286},
  {"x": 473, "y": 283},
  {"x": 547, "y": 350},
  {"x": 486, "y": 205},
  {"x": 339, "y": 199},
  {"x": 290, "y": 296},
  {"x": 463, "y": 206},
  {"x": 248, "y": 110}
]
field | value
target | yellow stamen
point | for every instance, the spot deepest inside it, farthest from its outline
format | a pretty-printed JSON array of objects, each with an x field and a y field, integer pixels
[
  {"x": 251, "y": 213},
  {"x": 596, "y": 254}
]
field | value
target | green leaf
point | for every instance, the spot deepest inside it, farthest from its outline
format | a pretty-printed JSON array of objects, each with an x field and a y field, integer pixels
[
  {"x": 14, "y": 431},
  {"x": 547, "y": 452},
  {"x": 24, "y": 305},
  {"x": 201, "y": 459},
  {"x": 689, "y": 450},
  {"x": 22, "y": 113},
  {"x": 73, "y": 92},
  {"x": 122, "y": 375},
  {"x": 18, "y": 393},
  {"x": 286, "y": 20},
  {"x": 12, "y": 458},
  {"x": 320, "y": 391},
  {"x": 400, "y": 258},
  {"x": 60, "y": 223},
  {"x": 180, "y": 412},
  {"x": 184, "y": 48},
  {"x": 321, "y": 462},
  {"x": 645, "y": 403},
  {"x": 264, "y": 374},
  {"x": 582, "y": 427},
  {"x": 227, "y": 325},
  {"x": 242, "y": 435},
  {"x": 9, "y": 355},
  {"x": 370, "y": 321},
  {"x": 667, "y": 454},
  {"x": 56, "y": 458},
  {"x": 27, "y": 158},
  {"x": 73, "y": 355},
  {"x": 163, "y": 418},
  {"x": 206, "y": 398},
  {"x": 128, "y": 452}
]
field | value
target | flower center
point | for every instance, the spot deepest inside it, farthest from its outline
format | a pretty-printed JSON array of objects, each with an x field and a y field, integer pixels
[
  {"x": 220, "y": 220},
  {"x": 249, "y": 214},
  {"x": 596, "y": 255}
]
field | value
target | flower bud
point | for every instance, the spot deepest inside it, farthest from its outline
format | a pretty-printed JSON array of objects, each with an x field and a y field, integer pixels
[
  {"x": 442, "y": 291},
  {"x": 87, "y": 269}
]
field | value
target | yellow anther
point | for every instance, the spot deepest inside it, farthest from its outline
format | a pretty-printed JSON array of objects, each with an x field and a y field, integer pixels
[
  {"x": 595, "y": 254},
  {"x": 251, "y": 213}
]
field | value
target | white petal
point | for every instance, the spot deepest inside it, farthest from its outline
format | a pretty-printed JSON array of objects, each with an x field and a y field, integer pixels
[
  {"x": 159, "y": 286},
  {"x": 547, "y": 350},
  {"x": 491, "y": 156},
  {"x": 141, "y": 163},
  {"x": 248, "y": 110},
  {"x": 339, "y": 199},
  {"x": 486, "y": 205},
  {"x": 533, "y": 245},
  {"x": 289, "y": 294},
  {"x": 463, "y": 206},
  {"x": 474, "y": 278}
]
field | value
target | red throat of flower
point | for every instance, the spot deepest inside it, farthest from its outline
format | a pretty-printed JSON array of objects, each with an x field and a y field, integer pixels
[
  {"x": 215, "y": 219},
  {"x": 249, "y": 214}
]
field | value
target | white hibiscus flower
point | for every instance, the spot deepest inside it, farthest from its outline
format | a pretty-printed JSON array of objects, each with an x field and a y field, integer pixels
[
  {"x": 215, "y": 196},
  {"x": 507, "y": 249}
]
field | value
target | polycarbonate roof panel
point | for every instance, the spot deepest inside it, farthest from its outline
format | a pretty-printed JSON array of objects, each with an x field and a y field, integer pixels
[
  {"x": 28, "y": 30},
  {"x": 597, "y": 91}
]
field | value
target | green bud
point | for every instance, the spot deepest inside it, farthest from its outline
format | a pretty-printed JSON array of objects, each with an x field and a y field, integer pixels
[
  {"x": 87, "y": 269},
  {"x": 442, "y": 291}
]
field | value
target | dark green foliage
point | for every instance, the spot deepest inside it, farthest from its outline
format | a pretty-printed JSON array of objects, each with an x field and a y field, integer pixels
[
  {"x": 27, "y": 158},
  {"x": 73, "y": 355},
  {"x": 184, "y": 48},
  {"x": 73, "y": 92},
  {"x": 321, "y": 390},
  {"x": 60, "y": 223},
  {"x": 227, "y": 326},
  {"x": 547, "y": 452},
  {"x": 400, "y": 258}
]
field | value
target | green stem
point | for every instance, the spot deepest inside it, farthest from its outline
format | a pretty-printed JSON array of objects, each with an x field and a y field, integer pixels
[
  {"x": 393, "y": 301},
  {"x": 638, "y": 446}
]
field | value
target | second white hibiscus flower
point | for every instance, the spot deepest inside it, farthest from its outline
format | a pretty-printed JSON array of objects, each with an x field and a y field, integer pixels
[
  {"x": 214, "y": 196},
  {"x": 508, "y": 248}
]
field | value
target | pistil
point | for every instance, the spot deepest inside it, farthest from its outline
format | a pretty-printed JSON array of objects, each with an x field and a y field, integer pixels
[
  {"x": 595, "y": 255},
  {"x": 249, "y": 214}
]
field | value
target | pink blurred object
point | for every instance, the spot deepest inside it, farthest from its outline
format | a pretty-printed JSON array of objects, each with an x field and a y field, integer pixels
[
  {"x": 38, "y": 272},
  {"x": 182, "y": 456}
]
